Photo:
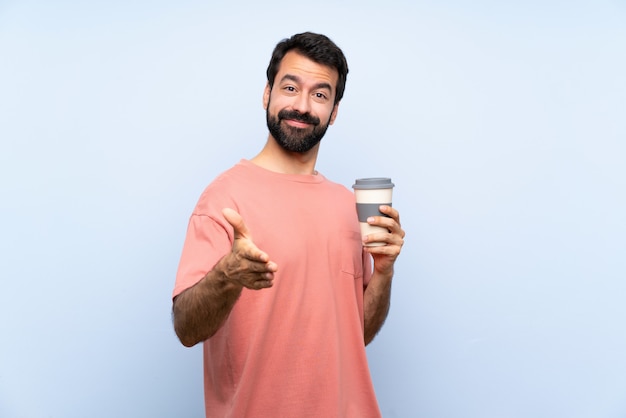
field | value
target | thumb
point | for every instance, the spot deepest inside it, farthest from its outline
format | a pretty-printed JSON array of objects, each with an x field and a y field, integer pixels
[{"x": 236, "y": 221}]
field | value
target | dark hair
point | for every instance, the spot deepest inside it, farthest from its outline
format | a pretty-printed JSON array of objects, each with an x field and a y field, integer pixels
[{"x": 316, "y": 47}]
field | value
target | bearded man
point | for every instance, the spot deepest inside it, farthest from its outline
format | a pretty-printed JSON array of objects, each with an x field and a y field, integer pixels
[{"x": 274, "y": 279}]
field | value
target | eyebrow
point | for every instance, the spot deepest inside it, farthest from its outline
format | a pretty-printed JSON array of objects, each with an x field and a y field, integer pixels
[{"x": 296, "y": 79}]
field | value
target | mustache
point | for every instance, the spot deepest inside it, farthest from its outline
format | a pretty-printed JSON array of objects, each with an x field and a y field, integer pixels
[{"x": 300, "y": 117}]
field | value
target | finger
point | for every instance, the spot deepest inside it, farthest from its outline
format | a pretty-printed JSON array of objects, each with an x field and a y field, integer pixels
[
  {"x": 271, "y": 268},
  {"x": 391, "y": 221},
  {"x": 256, "y": 266},
  {"x": 390, "y": 211},
  {"x": 260, "y": 284},
  {"x": 259, "y": 280},
  {"x": 385, "y": 222},
  {"x": 393, "y": 236},
  {"x": 236, "y": 221},
  {"x": 391, "y": 250},
  {"x": 245, "y": 249}
]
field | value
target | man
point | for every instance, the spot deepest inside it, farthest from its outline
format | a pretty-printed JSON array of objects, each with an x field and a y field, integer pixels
[{"x": 274, "y": 278}]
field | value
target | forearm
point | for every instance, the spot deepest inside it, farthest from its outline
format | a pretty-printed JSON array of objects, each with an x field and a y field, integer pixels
[
  {"x": 376, "y": 302},
  {"x": 202, "y": 309}
]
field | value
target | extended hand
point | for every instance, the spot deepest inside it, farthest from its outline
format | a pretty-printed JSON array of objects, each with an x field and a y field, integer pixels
[
  {"x": 246, "y": 264},
  {"x": 385, "y": 256}
]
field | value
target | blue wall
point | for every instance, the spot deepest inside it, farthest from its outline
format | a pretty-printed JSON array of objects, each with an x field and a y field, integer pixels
[{"x": 503, "y": 127}]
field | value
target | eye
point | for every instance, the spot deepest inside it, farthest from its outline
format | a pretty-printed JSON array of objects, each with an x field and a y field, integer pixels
[{"x": 320, "y": 96}]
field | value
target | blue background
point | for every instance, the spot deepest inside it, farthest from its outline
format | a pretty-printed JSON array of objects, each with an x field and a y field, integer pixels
[{"x": 502, "y": 125}]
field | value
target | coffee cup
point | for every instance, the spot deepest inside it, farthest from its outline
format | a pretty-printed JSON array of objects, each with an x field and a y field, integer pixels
[{"x": 370, "y": 193}]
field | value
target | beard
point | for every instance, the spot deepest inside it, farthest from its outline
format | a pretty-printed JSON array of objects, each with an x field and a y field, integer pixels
[{"x": 292, "y": 139}]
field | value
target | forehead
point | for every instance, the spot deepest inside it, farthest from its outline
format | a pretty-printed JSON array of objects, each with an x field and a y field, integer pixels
[{"x": 309, "y": 71}]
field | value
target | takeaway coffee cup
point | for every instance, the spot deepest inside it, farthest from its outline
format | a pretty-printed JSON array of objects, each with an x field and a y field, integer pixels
[{"x": 370, "y": 193}]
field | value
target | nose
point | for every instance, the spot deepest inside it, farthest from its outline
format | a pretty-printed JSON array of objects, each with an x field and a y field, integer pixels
[{"x": 302, "y": 103}]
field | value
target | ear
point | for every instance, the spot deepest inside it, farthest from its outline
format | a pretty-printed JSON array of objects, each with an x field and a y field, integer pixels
[
  {"x": 266, "y": 96},
  {"x": 333, "y": 115}
]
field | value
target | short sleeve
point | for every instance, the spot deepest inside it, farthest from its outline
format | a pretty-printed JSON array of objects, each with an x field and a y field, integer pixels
[{"x": 206, "y": 242}]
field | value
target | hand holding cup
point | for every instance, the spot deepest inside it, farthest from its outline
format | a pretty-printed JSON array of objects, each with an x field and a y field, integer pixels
[{"x": 370, "y": 194}]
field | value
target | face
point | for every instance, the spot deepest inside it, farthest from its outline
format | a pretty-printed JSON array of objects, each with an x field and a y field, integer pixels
[{"x": 300, "y": 106}]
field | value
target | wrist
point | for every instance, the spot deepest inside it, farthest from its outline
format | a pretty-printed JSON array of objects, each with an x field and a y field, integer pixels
[{"x": 386, "y": 274}]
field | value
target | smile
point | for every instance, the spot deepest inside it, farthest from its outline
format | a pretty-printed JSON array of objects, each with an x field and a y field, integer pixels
[{"x": 297, "y": 123}]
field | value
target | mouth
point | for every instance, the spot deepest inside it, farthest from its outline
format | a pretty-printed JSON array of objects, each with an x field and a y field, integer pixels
[
  {"x": 297, "y": 119},
  {"x": 297, "y": 123}
]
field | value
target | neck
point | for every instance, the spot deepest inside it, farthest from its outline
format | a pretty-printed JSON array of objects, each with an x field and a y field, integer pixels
[{"x": 274, "y": 158}]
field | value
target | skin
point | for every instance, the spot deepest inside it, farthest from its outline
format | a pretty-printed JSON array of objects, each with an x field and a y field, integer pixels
[
  {"x": 304, "y": 86},
  {"x": 199, "y": 311},
  {"x": 202, "y": 309}
]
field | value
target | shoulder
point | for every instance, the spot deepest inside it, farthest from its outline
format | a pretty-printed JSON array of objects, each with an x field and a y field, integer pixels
[
  {"x": 222, "y": 191},
  {"x": 338, "y": 189}
]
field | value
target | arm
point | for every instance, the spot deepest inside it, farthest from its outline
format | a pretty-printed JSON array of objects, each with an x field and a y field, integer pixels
[
  {"x": 201, "y": 310},
  {"x": 377, "y": 295}
]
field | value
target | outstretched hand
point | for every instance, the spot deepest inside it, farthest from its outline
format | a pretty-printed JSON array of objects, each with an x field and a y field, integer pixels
[{"x": 246, "y": 264}]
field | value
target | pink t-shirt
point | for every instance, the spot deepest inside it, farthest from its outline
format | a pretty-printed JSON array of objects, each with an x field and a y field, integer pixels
[{"x": 296, "y": 349}]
